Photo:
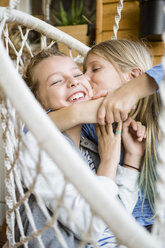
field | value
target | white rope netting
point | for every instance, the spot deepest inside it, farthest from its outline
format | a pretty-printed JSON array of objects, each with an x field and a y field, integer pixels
[
  {"x": 117, "y": 19},
  {"x": 159, "y": 226},
  {"x": 27, "y": 162},
  {"x": 41, "y": 167},
  {"x": 13, "y": 3}
]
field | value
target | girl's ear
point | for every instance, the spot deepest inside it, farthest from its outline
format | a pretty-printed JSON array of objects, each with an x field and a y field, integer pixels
[{"x": 133, "y": 73}]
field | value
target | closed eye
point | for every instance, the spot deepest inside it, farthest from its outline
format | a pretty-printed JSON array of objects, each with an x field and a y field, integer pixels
[
  {"x": 95, "y": 69},
  {"x": 56, "y": 82},
  {"x": 78, "y": 75}
]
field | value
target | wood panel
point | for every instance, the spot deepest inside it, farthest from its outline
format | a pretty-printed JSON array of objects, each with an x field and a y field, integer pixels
[
  {"x": 128, "y": 26},
  {"x": 158, "y": 48},
  {"x": 4, "y": 3},
  {"x": 130, "y": 16},
  {"x": 116, "y": 1},
  {"x": 157, "y": 60},
  {"x": 79, "y": 32},
  {"x": 99, "y": 20},
  {"x": 122, "y": 34}
]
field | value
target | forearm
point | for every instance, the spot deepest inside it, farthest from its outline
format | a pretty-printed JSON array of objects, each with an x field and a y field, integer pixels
[
  {"x": 107, "y": 169},
  {"x": 84, "y": 112},
  {"x": 144, "y": 85},
  {"x": 132, "y": 161}
]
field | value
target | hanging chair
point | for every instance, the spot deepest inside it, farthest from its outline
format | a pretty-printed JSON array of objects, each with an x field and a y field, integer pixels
[{"x": 19, "y": 108}]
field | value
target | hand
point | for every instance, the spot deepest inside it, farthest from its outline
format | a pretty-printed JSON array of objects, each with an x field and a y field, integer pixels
[
  {"x": 109, "y": 147},
  {"x": 133, "y": 139},
  {"x": 137, "y": 129},
  {"x": 117, "y": 105}
]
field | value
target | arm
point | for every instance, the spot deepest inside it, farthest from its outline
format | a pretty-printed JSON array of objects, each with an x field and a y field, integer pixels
[
  {"x": 68, "y": 117},
  {"x": 109, "y": 147},
  {"x": 127, "y": 177},
  {"x": 133, "y": 146}
]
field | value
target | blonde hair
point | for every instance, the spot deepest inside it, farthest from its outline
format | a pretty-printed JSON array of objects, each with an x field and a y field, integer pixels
[
  {"x": 32, "y": 83},
  {"x": 126, "y": 55}
]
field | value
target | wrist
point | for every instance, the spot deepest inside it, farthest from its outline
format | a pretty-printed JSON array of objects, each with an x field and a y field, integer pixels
[
  {"x": 131, "y": 167},
  {"x": 107, "y": 169},
  {"x": 133, "y": 160}
]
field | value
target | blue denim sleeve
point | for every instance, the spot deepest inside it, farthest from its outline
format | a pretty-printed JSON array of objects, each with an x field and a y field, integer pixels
[
  {"x": 156, "y": 73},
  {"x": 89, "y": 131}
]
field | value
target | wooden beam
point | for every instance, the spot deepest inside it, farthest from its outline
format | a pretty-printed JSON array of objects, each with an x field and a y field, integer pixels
[{"x": 99, "y": 21}]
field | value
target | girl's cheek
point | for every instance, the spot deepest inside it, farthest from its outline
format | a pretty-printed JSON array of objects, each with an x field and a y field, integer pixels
[
  {"x": 91, "y": 95},
  {"x": 90, "y": 91}
]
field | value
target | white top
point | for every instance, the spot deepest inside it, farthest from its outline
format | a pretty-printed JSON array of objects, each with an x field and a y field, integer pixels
[{"x": 50, "y": 186}]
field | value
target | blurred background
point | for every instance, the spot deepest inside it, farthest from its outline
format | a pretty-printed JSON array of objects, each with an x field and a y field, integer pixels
[{"x": 142, "y": 19}]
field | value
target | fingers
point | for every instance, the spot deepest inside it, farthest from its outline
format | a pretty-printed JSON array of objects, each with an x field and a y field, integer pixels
[
  {"x": 119, "y": 128},
  {"x": 134, "y": 124},
  {"x": 141, "y": 131},
  {"x": 103, "y": 130},
  {"x": 133, "y": 107},
  {"x": 138, "y": 128},
  {"x": 101, "y": 115},
  {"x": 128, "y": 122},
  {"x": 109, "y": 129},
  {"x": 108, "y": 114},
  {"x": 113, "y": 114},
  {"x": 124, "y": 116}
]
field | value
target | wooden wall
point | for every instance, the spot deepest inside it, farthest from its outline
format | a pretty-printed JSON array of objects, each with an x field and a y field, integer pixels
[
  {"x": 4, "y": 3},
  {"x": 128, "y": 27}
]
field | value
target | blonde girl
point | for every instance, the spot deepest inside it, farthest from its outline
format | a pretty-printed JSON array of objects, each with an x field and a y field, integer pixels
[{"x": 130, "y": 59}]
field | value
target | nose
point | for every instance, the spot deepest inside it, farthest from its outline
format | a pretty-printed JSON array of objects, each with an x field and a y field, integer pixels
[{"x": 72, "y": 82}]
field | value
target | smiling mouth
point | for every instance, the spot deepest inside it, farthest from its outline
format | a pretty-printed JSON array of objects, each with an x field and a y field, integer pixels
[{"x": 77, "y": 96}]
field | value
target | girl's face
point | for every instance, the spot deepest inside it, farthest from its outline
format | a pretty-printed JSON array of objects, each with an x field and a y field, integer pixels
[
  {"x": 101, "y": 74},
  {"x": 61, "y": 82}
]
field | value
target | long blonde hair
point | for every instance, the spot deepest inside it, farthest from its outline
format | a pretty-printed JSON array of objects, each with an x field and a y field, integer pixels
[{"x": 126, "y": 55}]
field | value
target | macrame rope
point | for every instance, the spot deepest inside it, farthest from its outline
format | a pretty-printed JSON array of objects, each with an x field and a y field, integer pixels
[
  {"x": 159, "y": 226},
  {"x": 117, "y": 19},
  {"x": 13, "y": 3},
  {"x": 13, "y": 159}
]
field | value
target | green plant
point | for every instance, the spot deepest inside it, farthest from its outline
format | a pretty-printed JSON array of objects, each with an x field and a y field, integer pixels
[{"x": 72, "y": 17}]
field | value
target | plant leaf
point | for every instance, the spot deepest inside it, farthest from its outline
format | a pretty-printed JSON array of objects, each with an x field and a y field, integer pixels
[
  {"x": 72, "y": 12},
  {"x": 64, "y": 17},
  {"x": 57, "y": 20}
]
